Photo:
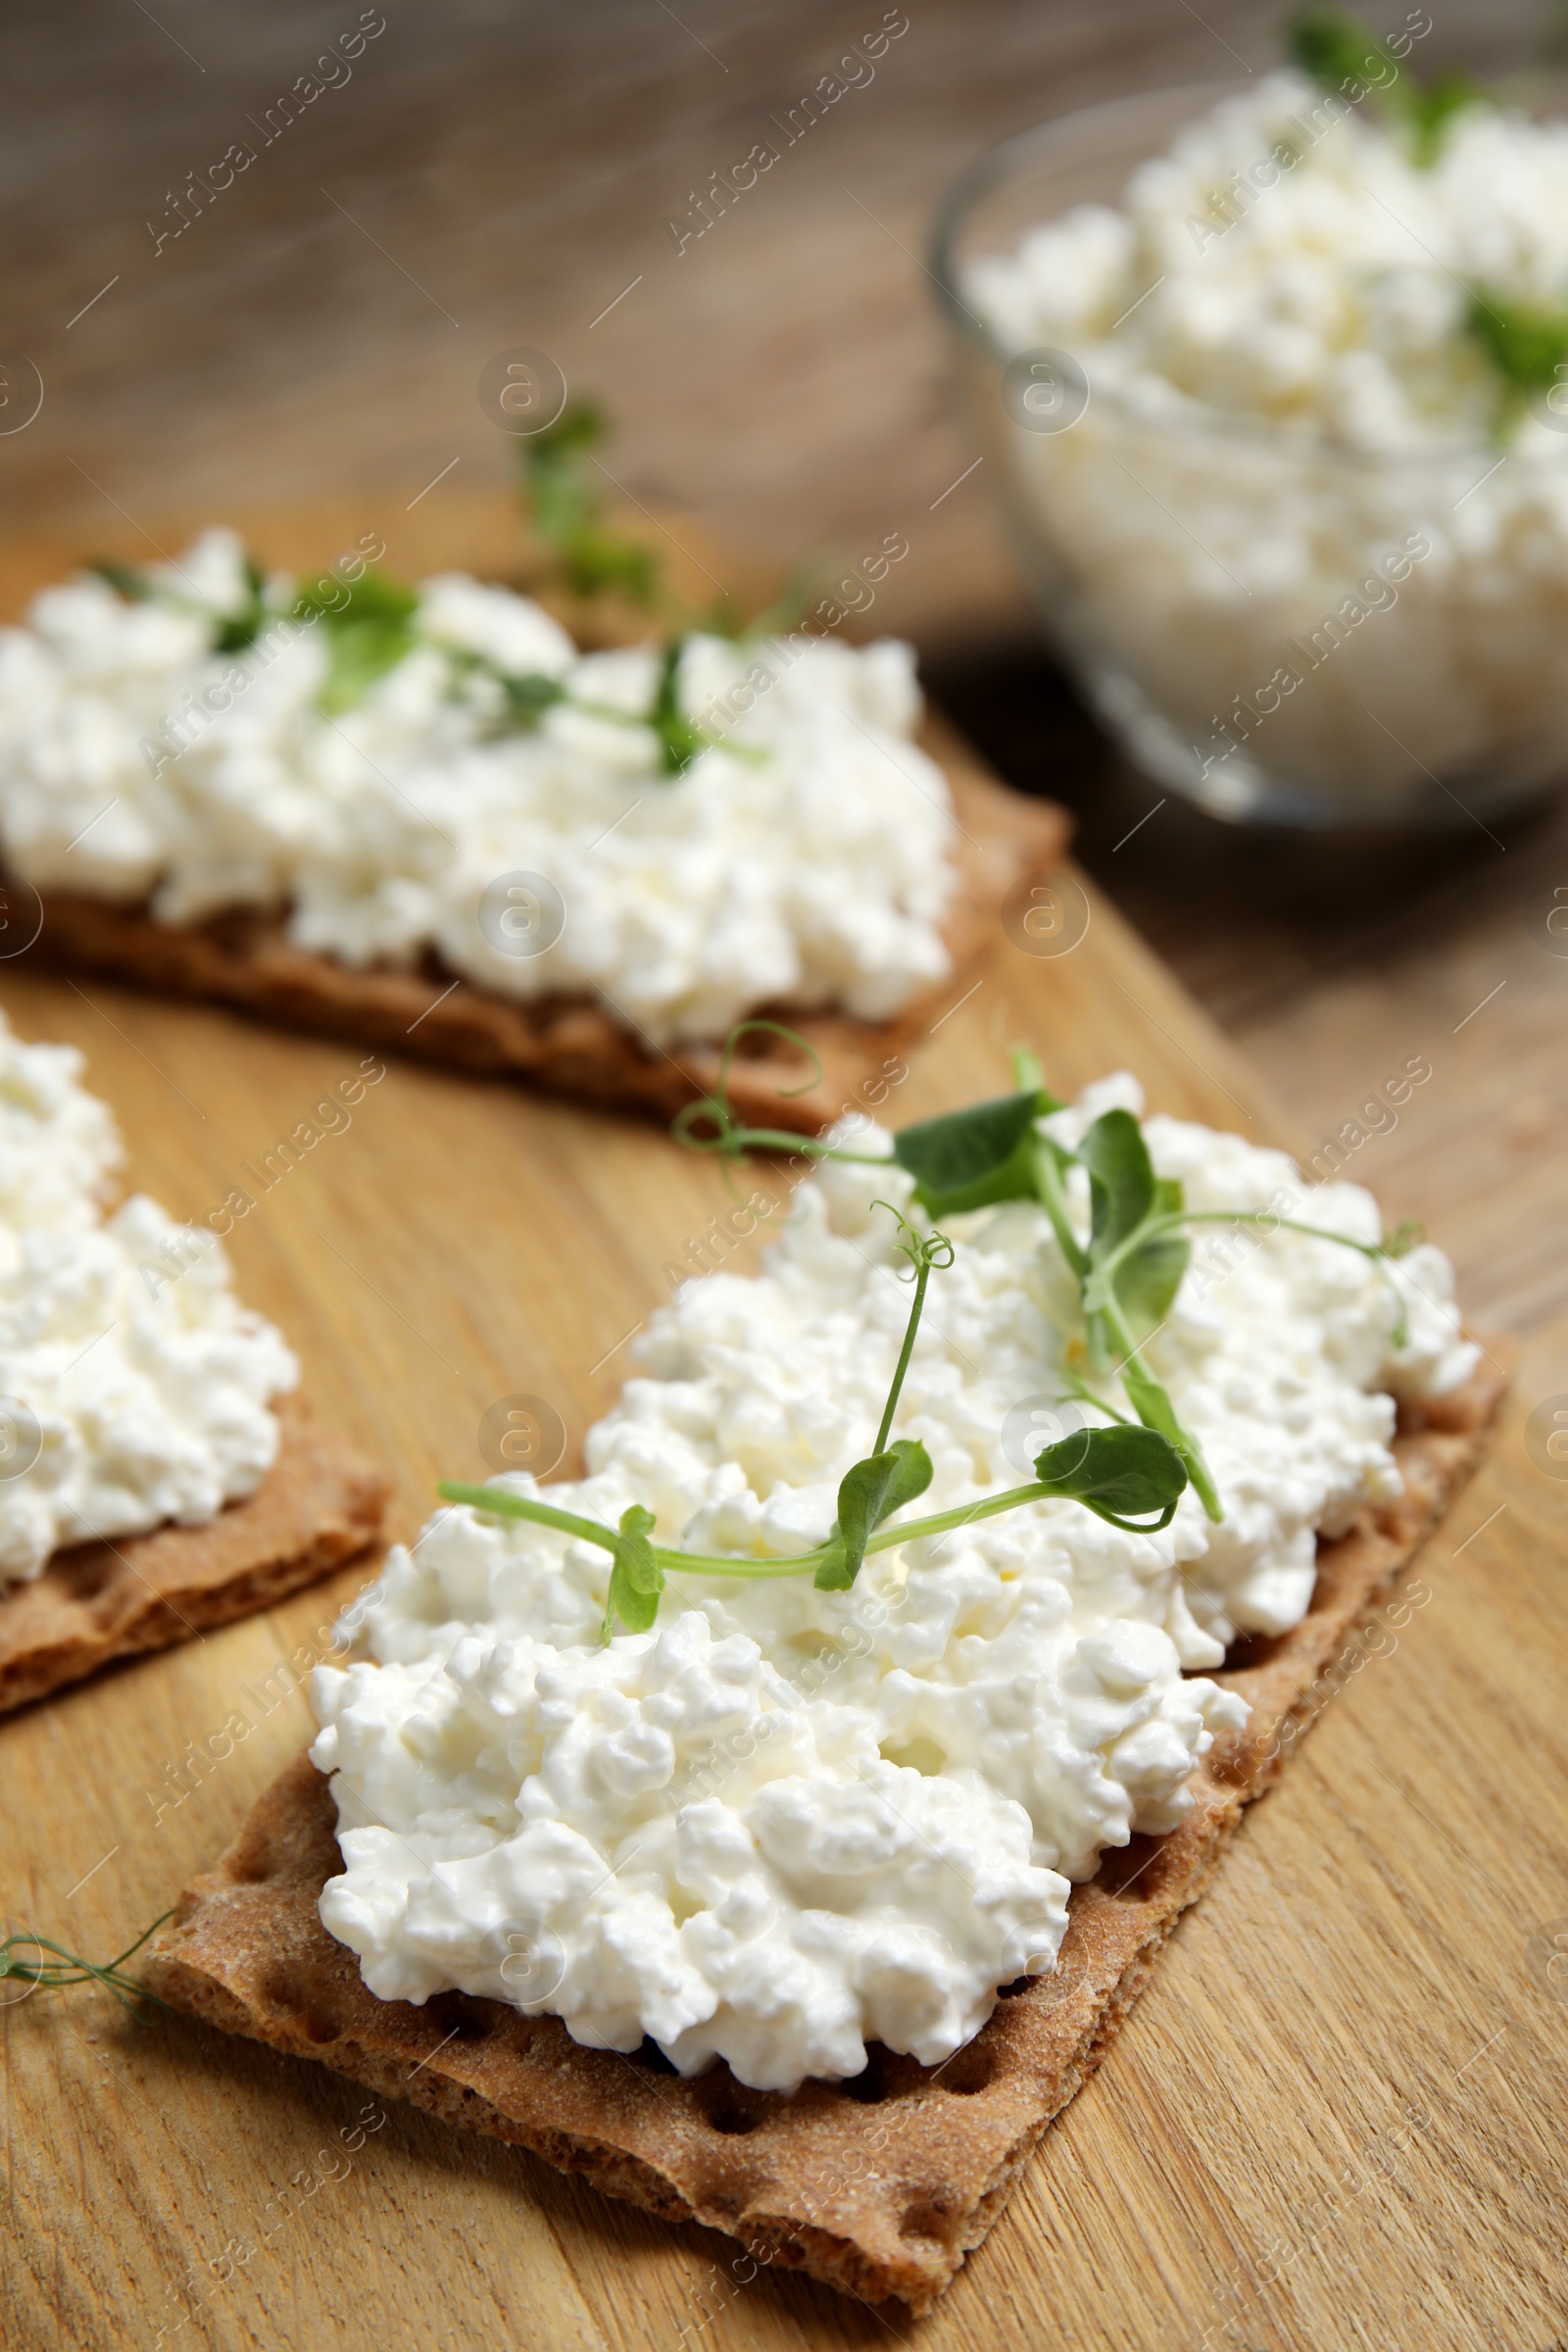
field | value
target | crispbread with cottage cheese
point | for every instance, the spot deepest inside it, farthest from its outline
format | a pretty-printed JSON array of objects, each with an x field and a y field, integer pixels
[
  {"x": 318, "y": 1505},
  {"x": 880, "y": 2186},
  {"x": 572, "y": 1044}
]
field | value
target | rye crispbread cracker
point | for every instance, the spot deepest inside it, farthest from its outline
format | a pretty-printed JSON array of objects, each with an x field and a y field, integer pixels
[
  {"x": 881, "y": 2187},
  {"x": 575, "y": 1044},
  {"x": 319, "y": 1505}
]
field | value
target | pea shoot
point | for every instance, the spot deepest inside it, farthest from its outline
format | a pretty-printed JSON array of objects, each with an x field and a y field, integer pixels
[
  {"x": 1526, "y": 341},
  {"x": 370, "y": 624},
  {"x": 1343, "y": 54},
  {"x": 1131, "y": 1477},
  {"x": 65, "y": 1969},
  {"x": 1128, "y": 1269},
  {"x": 564, "y": 504}
]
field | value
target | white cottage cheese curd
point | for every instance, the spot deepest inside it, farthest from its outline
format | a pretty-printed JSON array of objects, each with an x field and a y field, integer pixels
[
  {"x": 139, "y": 1391},
  {"x": 1283, "y": 507},
  {"x": 784, "y": 1821},
  {"x": 59, "y": 1147},
  {"x": 804, "y": 859},
  {"x": 133, "y": 1388}
]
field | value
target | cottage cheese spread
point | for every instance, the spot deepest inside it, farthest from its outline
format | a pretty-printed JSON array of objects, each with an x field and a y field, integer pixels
[
  {"x": 805, "y": 859},
  {"x": 58, "y": 1147},
  {"x": 1284, "y": 478},
  {"x": 1293, "y": 264},
  {"x": 784, "y": 1821},
  {"x": 133, "y": 1388}
]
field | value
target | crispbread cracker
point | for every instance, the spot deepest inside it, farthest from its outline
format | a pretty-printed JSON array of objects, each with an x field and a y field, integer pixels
[
  {"x": 319, "y": 1505},
  {"x": 881, "y": 2187},
  {"x": 574, "y": 1045}
]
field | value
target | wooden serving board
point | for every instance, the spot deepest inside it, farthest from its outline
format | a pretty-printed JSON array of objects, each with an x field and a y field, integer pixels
[{"x": 1245, "y": 2171}]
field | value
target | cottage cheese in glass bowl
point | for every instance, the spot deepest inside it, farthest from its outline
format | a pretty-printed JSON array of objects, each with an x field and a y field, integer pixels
[{"x": 1253, "y": 458}]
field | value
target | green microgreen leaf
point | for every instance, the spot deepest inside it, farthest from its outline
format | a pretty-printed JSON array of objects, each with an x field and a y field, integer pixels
[
  {"x": 242, "y": 628},
  {"x": 370, "y": 630},
  {"x": 529, "y": 695},
  {"x": 1528, "y": 345},
  {"x": 969, "y": 1158},
  {"x": 1122, "y": 1180},
  {"x": 1150, "y": 1276},
  {"x": 1136, "y": 1258},
  {"x": 1336, "y": 48},
  {"x": 869, "y": 1493},
  {"x": 374, "y": 596},
  {"x": 359, "y": 656},
  {"x": 636, "y": 1580},
  {"x": 1121, "y": 1474},
  {"x": 561, "y": 492},
  {"x": 126, "y": 580},
  {"x": 232, "y": 633},
  {"x": 1346, "y": 57},
  {"x": 526, "y": 694}
]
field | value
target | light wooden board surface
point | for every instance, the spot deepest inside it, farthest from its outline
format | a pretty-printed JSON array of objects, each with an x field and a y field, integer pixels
[{"x": 1244, "y": 2170}]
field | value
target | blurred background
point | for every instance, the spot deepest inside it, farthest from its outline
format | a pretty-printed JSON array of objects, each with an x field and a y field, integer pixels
[{"x": 481, "y": 176}]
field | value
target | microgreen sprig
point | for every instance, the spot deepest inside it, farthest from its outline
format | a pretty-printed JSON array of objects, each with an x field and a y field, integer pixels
[
  {"x": 565, "y": 507},
  {"x": 1528, "y": 345},
  {"x": 370, "y": 624},
  {"x": 1130, "y": 1476},
  {"x": 1346, "y": 57},
  {"x": 370, "y": 629},
  {"x": 891, "y": 1475},
  {"x": 560, "y": 483},
  {"x": 1527, "y": 342},
  {"x": 1130, "y": 1267},
  {"x": 68, "y": 1968},
  {"x": 232, "y": 631}
]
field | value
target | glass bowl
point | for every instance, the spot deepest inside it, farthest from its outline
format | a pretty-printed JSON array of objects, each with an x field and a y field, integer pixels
[{"x": 1284, "y": 629}]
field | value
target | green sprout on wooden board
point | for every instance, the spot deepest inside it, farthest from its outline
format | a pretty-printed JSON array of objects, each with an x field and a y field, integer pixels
[{"x": 66, "y": 1969}]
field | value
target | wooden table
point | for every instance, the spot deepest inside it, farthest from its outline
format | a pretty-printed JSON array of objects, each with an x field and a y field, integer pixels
[{"x": 1336, "y": 2117}]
